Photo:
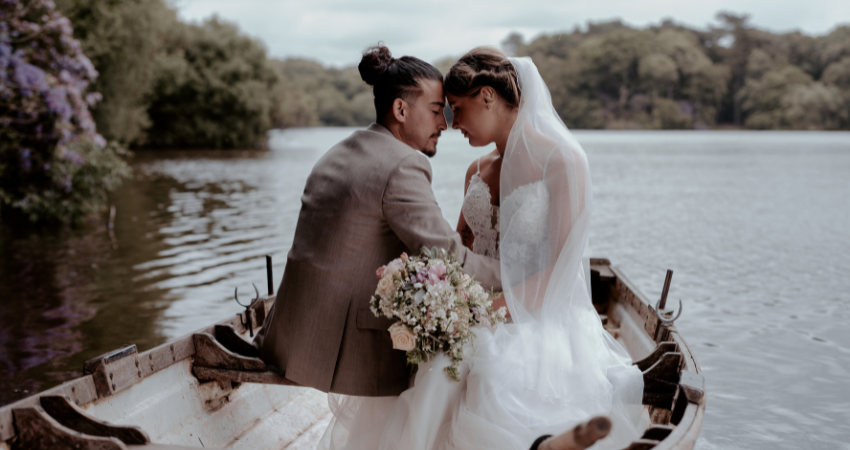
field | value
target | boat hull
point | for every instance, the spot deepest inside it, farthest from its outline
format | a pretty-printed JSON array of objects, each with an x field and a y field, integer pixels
[{"x": 157, "y": 391}]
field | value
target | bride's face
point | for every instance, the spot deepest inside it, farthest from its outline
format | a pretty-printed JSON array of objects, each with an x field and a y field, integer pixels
[{"x": 479, "y": 124}]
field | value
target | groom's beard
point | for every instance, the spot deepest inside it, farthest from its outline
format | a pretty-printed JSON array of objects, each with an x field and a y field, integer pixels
[{"x": 431, "y": 149}]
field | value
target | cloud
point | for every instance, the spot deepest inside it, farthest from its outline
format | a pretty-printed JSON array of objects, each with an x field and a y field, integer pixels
[{"x": 336, "y": 31}]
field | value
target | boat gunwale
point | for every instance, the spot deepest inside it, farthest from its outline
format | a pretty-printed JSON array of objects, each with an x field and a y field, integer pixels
[
  {"x": 687, "y": 430},
  {"x": 83, "y": 391}
]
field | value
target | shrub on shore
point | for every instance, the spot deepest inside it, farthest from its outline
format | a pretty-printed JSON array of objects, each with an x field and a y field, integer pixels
[
  {"x": 54, "y": 166},
  {"x": 214, "y": 90},
  {"x": 171, "y": 84}
]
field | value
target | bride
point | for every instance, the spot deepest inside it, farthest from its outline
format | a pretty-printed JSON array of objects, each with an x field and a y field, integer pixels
[{"x": 527, "y": 203}]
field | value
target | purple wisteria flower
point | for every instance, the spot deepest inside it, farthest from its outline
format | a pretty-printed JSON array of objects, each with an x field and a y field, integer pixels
[
  {"x": 26, "y": 163},
  {"x": 57, "y": 103},
  {"x": 73, "y": 157},
  {"x": 5, "y": 60},
  {"x": 30, "y": 79},
  {"x": 48, "y": 135}
]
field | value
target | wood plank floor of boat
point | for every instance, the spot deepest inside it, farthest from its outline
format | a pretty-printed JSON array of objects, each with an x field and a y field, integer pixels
[
  {"x": 297, "y": 425},
  {"x": 305, "y": 418}
]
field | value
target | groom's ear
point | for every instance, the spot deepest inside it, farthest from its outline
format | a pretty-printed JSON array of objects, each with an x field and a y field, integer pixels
[{"x": 400, "y": 110}]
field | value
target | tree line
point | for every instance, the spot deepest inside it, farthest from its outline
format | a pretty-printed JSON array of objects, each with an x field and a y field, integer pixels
[
  {"x": 82, "y": 80},
  {"x": 611, "y": 75},
  {"x": 166, "y": 83},
  {"x": 669, "y": 76}
]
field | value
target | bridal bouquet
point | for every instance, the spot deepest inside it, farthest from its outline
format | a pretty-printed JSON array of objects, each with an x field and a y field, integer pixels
[{"x": 436, "y": 305}]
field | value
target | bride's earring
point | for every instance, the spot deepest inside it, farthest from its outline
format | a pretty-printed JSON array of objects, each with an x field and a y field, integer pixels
[{"x": 489, "y": 105}]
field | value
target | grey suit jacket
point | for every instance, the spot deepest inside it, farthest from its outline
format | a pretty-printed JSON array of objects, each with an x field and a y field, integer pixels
[{"x": 366, "y": 201}]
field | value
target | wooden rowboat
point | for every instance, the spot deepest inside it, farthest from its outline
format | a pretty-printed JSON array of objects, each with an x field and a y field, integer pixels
[{"x": 171, "y": 396}]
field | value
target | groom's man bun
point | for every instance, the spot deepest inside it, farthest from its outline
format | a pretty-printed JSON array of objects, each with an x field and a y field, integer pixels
[
  {"x": 393, "y": 78},
  {"x": 484, "y": 66}
]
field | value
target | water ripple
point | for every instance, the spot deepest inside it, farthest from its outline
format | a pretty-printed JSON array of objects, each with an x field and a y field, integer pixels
[{"x": 754, "y": 225}]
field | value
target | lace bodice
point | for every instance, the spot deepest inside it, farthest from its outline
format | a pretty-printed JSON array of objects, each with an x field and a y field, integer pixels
[
  {"x": 526, "y": 220},
  {"x": 481, "y": 216}
]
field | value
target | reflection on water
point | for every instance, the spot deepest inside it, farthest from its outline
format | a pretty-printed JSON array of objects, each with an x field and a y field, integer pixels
[{"x": 754, "y": 225}]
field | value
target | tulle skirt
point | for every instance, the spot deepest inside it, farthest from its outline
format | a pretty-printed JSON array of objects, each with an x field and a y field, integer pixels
[{"x": 518, "y": 383}]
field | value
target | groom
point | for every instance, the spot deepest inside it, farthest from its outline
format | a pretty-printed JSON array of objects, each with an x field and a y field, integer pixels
[{"x": 367, "y": 200}]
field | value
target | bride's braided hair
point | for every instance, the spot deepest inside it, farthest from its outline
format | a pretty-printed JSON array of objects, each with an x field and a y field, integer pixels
[{"x": 483, "y": 66}]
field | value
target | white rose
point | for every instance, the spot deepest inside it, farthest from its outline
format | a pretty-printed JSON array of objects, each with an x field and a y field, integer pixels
[
  {"x": 403, "y": 338},
  {"x": 385, "y": 286}
]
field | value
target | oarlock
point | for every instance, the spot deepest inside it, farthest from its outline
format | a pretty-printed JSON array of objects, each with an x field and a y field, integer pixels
[{"x": 247, "y": 315}]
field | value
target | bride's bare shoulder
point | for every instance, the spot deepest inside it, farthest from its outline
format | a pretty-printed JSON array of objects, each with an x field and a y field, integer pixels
[{"x": 481, "y": 164}]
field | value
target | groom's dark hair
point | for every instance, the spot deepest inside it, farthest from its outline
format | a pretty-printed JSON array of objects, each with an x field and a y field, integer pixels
[{"x": 393, "y": 78}]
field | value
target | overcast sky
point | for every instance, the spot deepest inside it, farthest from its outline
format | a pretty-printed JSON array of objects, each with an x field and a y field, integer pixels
[{"x": 336, "y": 31}]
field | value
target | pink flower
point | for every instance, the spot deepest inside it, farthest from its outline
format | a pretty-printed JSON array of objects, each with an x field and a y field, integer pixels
[
  {"x": 380, "y": 271},
  {"x": 404, "y": 256},
  {"x": 394, "y": 267},
  {"x": 421, "y": 276},
  {"x": 436, "y": 273}
]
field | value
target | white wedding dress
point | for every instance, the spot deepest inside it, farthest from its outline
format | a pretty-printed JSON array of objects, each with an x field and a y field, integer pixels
[
  {"x": 554, "y": 366},
  {"x": 481, "y": 216}
]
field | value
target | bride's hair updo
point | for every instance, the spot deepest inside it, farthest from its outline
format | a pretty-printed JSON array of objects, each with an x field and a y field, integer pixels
[
  {"x": 484, "y": 66},
  {"x": 393, "y": 78}
]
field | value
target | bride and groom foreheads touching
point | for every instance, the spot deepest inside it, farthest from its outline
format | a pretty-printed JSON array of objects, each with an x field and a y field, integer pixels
[{"x": 368, "y": 204}]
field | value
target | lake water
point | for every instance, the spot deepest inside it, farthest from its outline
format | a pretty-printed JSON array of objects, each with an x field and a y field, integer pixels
[{"x": 756, "y": 226}]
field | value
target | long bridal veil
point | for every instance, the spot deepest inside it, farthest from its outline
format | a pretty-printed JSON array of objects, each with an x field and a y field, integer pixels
[{"x": 555, "y": 365}]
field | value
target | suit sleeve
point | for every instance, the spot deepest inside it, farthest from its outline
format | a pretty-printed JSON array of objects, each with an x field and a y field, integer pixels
[{"x": 412, "y": 212}]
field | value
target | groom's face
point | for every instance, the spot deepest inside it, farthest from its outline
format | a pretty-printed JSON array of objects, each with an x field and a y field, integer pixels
[{"x": 426, "y": 121}]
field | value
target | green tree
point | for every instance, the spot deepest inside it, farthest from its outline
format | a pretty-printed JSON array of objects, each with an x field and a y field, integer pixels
[
  {"x": 762, "y": 99},
  {"x": 293, "y": 107},
  {"x": 659, "y": 72},
  {"x": 814, "y": 107},
  {"x": 338, "y": 97},
  {"x": 833, "y": 47},
  {"x": 125, "y": 41},
  {"x": 838, "y": 74},
  {"x": 669, "y": 116},
  {"x": 610, "y": 61},
  {"x": 213, "y": 90}
]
